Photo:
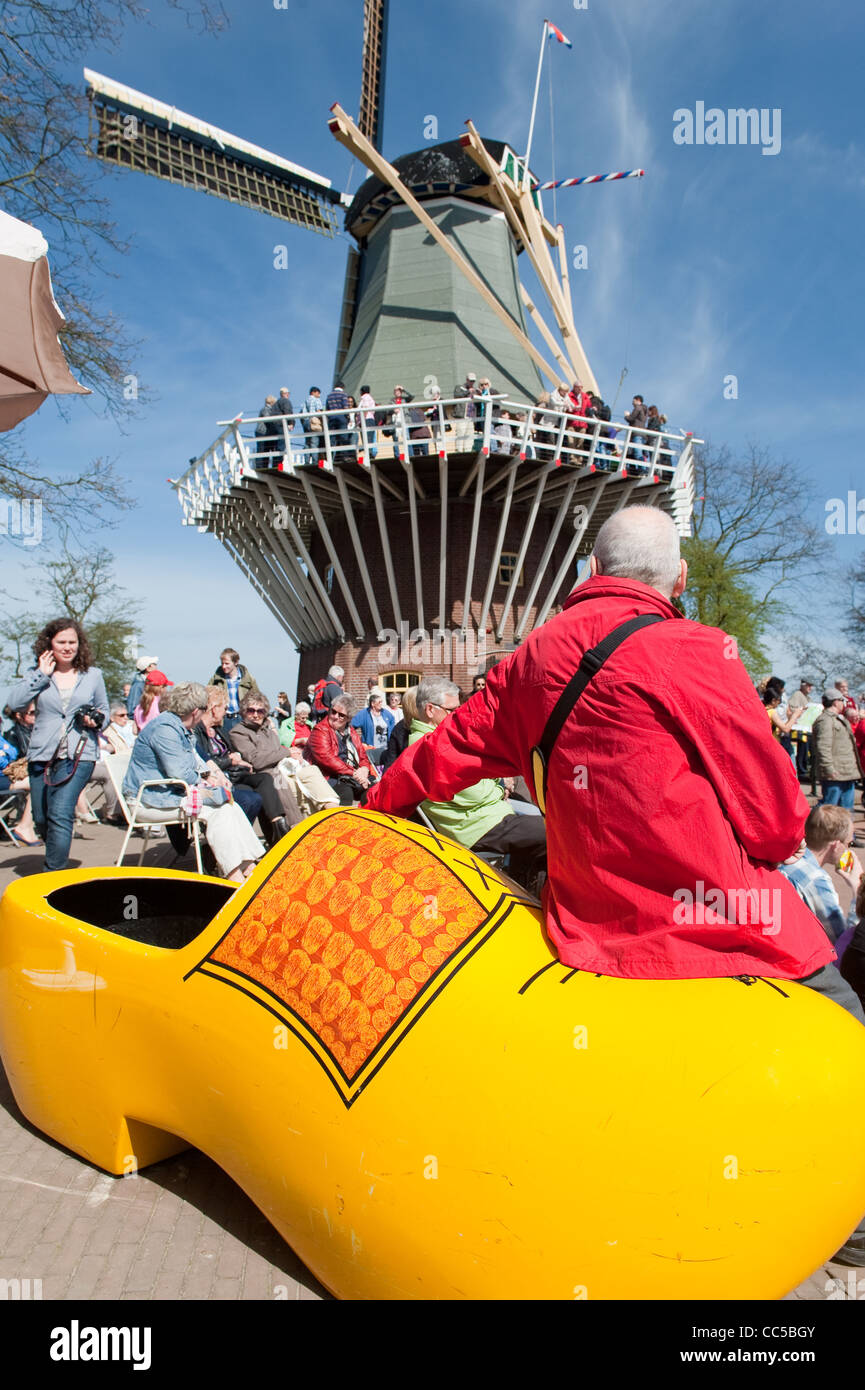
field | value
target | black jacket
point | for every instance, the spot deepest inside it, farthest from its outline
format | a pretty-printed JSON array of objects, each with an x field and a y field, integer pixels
[{"x": 396, "y": 744}]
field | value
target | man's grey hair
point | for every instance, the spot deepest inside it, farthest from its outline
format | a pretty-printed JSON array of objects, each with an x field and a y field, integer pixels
[
  {"x": 432, "y": 691},
  {"x": 183, "y": 699},
  {"x": 335, "y": 673},
  {"x": 640, "y": 543},
  {"x": 119, "y": 707},
  {"x": 344, "y": 702}
]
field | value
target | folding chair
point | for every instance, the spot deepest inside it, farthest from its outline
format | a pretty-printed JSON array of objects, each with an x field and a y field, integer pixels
[
  {"x": 146, "y": 817},
  {"x": 494, "y": 858},
  {"x": 9, "y": 800}
]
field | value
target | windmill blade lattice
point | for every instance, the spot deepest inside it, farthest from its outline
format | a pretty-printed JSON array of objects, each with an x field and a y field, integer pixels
[{"x": 134, "y": 131}]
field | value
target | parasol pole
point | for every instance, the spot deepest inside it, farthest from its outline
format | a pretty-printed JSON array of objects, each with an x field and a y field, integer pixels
[{"x": 534, "y": 106}]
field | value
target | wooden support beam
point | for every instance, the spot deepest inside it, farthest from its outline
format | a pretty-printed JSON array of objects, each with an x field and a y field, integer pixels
[
  {"x": 345, "y": 130},
  {"x": 275, "y": 548},
  {"x": 555, "y": 293},
  {"x": 550, "y": 546},
  {"x": 532, "y": 236},
  {"x": 565, "y": 275},
  {"x": 473, "y": 544},
  {"x": 408, "y": 465},
  {"x": 358, "y": 551},
  {"x": 566, "y": 366},
  {"x": 443, "y": 538},
  {"x": 575, "y": 545},
  {"x": 497, "y": 548},
  {"x": 334, "y": 556},
  {"x": 315, "y": 577},
  {"x": 377, "y": 481},
  {"x": 521, "y": 553}
]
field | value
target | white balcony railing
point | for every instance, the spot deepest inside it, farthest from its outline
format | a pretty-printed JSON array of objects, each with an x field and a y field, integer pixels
[{"x": 424, "y": 427}]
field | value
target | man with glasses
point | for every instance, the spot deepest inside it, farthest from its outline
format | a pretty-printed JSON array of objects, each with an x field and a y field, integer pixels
[
  {"x": 337, "y": 748},
  {"x": 479, "y": 817}
]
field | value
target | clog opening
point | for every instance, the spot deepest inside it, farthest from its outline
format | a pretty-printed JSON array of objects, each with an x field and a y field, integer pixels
[{"x": 157, "y": 912}]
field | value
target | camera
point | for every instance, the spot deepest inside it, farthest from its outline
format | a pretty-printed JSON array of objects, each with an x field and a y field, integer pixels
[{"x": 89, "y": 712}]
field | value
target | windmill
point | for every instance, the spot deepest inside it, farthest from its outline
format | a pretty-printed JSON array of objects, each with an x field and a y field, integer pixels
[{"x": 442, "y": 542}]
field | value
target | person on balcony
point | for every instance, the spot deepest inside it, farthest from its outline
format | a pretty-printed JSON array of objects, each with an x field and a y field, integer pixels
[
  {"x": 367, "y": 410},
  {"x": 464, "y": 413},
  {"x": 311, "y": 421},
  {"x": 636, "y": 417},
  {"x": 269, "y": 436},
  {"x": 502, "y": 441},
  {"x": 337, "y": 424},
  {"x": 285, "y": 408}
]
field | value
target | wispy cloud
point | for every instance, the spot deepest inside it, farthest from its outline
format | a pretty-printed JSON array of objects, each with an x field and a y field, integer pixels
[{"x": 827, "y": 164}]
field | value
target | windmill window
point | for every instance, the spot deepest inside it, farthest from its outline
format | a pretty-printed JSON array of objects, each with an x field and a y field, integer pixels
[
  {"x": 399, "y": 681},
  {"x": 507, "y": 565}
]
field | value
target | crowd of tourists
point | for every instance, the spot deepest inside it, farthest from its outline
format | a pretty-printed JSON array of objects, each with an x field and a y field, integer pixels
[
  {"x": 567, "y": 422},
  {"x": 625, "y": 806}
]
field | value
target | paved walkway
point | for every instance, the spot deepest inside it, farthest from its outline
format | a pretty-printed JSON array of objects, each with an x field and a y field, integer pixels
[{"x": 180, "y": 1229}]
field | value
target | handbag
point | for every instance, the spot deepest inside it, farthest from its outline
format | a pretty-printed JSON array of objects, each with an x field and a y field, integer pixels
[
  {"x": 16, "y": 771},
  {"x": 315, "y": 425},
  {"x": 590, "y": 665}
]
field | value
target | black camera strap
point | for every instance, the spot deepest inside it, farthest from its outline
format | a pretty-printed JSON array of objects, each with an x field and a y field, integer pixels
[
  {"x": 76, "y": 759},
  {"x": 590, "y": 665}
]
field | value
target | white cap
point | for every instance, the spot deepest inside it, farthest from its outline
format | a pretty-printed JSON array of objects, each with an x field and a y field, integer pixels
[{"x": 144, "y": 661}]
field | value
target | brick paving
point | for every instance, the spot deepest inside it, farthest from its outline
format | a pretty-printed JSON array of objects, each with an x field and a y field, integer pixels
[{"x": 181, "y": 1229}]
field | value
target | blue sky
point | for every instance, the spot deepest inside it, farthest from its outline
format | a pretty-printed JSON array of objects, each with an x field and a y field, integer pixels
[{"x": 721, "y": 261}]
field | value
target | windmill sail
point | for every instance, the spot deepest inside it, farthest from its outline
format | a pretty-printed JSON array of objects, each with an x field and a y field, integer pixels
[
  {"x": 135, "y": 131},
  {"x": 375, "y": 15},
  {"x": 373, "y": 69}
]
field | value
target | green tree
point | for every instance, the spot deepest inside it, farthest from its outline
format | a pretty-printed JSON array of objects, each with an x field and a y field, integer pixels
[
  {"x": 752, "y": 547},
  {"x": 82, "y": 586},
  {"x": 824, "y": 665}
]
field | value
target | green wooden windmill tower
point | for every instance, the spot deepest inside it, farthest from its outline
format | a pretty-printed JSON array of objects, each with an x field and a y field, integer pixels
[{"x": 458, "y": 549}]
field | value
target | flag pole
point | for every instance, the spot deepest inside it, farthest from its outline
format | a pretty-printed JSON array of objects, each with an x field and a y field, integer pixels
[{"x": 534, "y": 106}]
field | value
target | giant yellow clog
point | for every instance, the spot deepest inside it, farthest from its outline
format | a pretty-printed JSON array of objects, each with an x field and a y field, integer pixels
[{"x": 375, "y": 1040}]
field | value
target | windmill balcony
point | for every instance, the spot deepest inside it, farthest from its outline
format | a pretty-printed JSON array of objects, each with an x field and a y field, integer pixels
[
  {"x": 427, "y": 428},
  {"x": 353, "y": 528}
]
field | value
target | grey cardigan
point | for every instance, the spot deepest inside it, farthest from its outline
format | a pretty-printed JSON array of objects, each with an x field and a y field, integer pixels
[{"x": 89, "y": 689}]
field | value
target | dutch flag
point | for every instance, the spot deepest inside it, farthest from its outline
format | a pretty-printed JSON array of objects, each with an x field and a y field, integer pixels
[{"x": 551, "y": 29}]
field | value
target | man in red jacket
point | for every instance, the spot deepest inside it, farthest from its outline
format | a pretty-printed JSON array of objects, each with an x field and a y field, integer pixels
[{"x": 666, "y": 815}]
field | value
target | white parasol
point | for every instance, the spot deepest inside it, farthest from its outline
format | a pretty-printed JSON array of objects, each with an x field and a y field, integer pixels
[{"x": 32, "y": 364}]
